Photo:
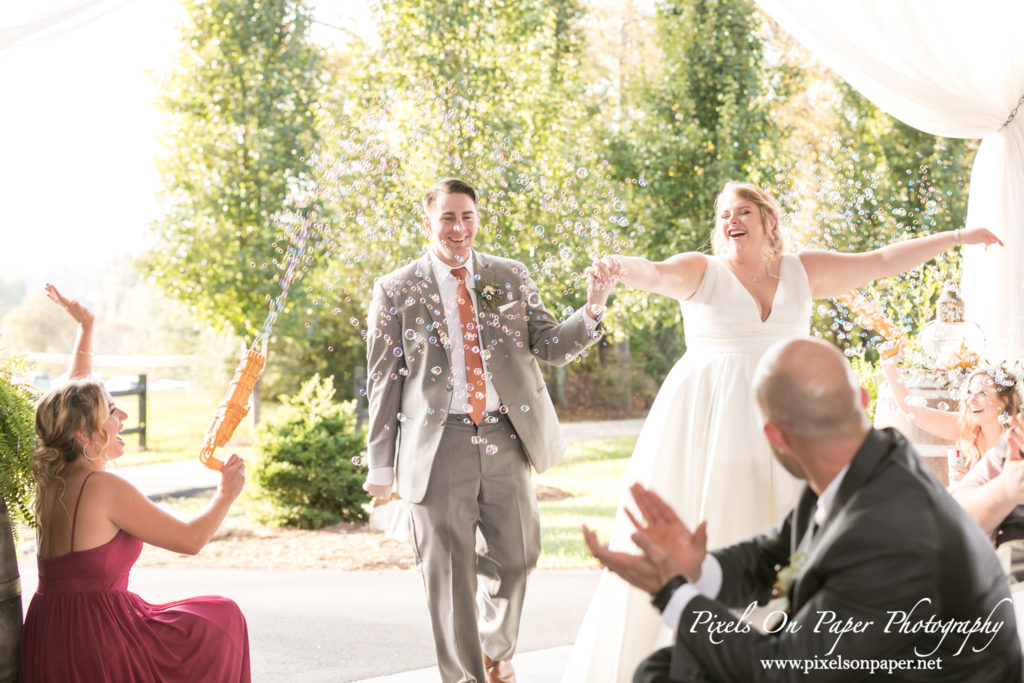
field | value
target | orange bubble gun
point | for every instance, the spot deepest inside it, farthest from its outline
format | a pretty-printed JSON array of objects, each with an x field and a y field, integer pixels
[
  {"x": 233, "y": 408},
  {"x": 872, "y": 318}
]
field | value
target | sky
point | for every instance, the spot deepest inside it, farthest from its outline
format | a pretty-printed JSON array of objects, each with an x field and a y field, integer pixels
[{"x": 79, "y": 131}]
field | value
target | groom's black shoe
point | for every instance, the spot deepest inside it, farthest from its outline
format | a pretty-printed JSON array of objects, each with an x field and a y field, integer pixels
[{"x": 498, "y": 672}]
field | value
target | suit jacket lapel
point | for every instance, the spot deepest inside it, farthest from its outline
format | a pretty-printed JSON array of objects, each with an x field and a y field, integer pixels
[
  {"x": 864, "y": 463},
  {"x": 867, "y": 459},
  {"x": 434, "y": 305}
]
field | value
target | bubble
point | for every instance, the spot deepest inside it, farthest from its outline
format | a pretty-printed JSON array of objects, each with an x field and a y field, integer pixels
[
  {"x": 476, "y": 440},
  {"x": 943, "y": 405},
  {"x": 409, "y": 334},
  {"x": 503, "y": 410},
  {"x": 524, "y": 408},
  {"x": 436, "y": 370},
  {"x": 357, "y": 461},
  {"x": 397, "y": 351},
  {"x": 490, "y": 449},
  {"x": 582, "y": 172},
  {"x": 533, "y": 299}
]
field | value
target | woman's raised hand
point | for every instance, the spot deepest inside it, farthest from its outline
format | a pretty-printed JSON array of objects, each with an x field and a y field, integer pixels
[
  {"x": 232, "y": 477},
  {"x": 80, "y": 313},
  {"x": 979, "y": 236}
]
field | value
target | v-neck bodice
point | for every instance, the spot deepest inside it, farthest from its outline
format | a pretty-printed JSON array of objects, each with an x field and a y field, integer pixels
[{"x": 722, "y": 316}]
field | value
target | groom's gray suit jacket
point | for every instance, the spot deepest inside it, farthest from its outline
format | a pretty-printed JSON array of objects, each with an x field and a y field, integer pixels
[
  {"x": 893, "y": 538},
  {"x": 409, "y": 382}
]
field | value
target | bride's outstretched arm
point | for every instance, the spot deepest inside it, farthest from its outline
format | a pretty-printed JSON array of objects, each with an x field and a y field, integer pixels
[
  {"x": 831, "y": 274},
  {"x": 677, "y": 277}
]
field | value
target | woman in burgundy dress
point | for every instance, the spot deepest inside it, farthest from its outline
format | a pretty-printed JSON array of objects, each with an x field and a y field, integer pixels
[{"x": 83, "y": 624}]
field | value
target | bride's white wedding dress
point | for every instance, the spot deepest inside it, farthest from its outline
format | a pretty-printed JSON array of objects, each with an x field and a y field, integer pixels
[{"x": 702, "y": 449}]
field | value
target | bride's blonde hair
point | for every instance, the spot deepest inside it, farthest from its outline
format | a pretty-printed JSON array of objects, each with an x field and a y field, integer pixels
[
  {"x": 78, "y": 406},
  {"x": 770, "y": 209}
]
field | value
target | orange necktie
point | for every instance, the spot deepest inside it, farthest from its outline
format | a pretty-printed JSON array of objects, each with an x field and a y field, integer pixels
[{"x": 471, "y": 349}]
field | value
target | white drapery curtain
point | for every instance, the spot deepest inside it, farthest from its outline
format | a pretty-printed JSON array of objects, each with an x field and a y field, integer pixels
[{"x": 955, "y": 69}]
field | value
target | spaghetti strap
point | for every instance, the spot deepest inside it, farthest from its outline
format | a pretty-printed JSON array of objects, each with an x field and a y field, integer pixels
[{"x": 74, "y": 517}]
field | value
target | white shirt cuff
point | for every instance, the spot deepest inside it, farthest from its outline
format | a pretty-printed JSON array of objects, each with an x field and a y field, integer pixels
[
  {"x": 710, "y": 581},
  {"x": 589, "y": 323},
  {"x": 380, "y": 476},
  {"x": 708, "y": 585}
]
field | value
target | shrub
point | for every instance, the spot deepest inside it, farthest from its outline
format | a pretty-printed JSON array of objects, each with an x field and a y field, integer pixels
[{"x": 306, "y": 474}]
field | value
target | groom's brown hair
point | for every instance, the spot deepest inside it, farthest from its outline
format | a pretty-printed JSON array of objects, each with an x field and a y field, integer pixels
[{"x": 447, "y": 186}]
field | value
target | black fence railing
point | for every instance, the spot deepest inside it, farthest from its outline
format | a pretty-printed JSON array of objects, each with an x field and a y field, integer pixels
[{"x": 139, "y": 389}]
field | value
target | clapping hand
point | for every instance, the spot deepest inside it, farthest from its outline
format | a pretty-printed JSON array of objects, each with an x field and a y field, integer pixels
[
  {"x": 668, "y": 545},
  {"x": 979, "y": 236},
  {"x": 80, "y": 313}
]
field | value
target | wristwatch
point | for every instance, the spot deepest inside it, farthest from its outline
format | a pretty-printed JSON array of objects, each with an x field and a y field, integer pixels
[{"x": 661, "y": 598}]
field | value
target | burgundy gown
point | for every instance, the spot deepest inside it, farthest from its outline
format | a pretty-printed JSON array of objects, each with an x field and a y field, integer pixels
[{"x": 83, "y": 624}]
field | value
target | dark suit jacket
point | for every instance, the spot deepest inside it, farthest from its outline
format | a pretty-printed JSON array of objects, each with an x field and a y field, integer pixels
[
  {"x": 409, "y": 380},
  {"x": 894, "y": 541}
]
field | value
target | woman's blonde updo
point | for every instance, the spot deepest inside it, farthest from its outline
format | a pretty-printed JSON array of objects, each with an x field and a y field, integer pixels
[
  {"x": 78, "y": 406},
  {"x": 771, "y": 216}
]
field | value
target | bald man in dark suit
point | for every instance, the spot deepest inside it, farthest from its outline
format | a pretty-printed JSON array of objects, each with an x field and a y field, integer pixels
[{"x": 882, "y": 570}]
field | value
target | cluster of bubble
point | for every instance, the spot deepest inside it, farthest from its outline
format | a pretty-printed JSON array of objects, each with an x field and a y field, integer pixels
[{"x": 298, "y": 237}]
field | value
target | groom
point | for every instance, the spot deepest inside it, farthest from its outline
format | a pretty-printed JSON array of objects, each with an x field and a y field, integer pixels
[
  {"x": 884, "y": 574},
  {"x": 458, "y": 411}
]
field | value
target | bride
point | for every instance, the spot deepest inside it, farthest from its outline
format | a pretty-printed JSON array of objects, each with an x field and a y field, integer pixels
[{"x": 701, "y": 446}]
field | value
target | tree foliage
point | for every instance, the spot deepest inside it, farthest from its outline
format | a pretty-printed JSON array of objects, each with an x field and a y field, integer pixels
[
  {"x": 878, "y": 181},
  {"x": 701, "y": 118},
  {"x": 487, "y": 91},
  {"x": 240, "y": 105}
]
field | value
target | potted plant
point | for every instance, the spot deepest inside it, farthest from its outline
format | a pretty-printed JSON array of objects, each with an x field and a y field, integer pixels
[{"x": 17, "y": 439}]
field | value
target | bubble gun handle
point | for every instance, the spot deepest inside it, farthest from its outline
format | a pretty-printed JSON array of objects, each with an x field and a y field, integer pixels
[{"x": 233, "y": 407}]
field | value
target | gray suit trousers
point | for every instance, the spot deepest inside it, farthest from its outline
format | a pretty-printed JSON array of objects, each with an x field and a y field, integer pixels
[{"x": 476, "y": 536}]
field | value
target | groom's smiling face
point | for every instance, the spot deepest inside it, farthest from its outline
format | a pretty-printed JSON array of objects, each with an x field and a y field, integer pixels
[{"x": 451, "y": 224}]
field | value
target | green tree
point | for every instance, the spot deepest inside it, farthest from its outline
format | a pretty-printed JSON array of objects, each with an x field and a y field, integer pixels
[
  {"x": 481, "y": 90},
  {"x": 485, "y": 91},
  {"x": 698, "y": 119},
  {"x": 876, "y": 181},
  {"x": 242, "y": 123}
]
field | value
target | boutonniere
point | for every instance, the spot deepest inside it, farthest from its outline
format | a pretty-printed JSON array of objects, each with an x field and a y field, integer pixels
[
  {"x": 786, "y": 576},
  {"x": 490, "y": 297}
]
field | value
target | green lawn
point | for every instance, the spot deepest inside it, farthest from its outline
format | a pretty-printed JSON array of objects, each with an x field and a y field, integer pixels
[
  {"x": 176, "y": 422},
  {"x": 591, "y": 472}
]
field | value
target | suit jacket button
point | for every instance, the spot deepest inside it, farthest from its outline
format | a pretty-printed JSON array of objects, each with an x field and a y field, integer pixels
[{"x": 448, "y": 387}]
